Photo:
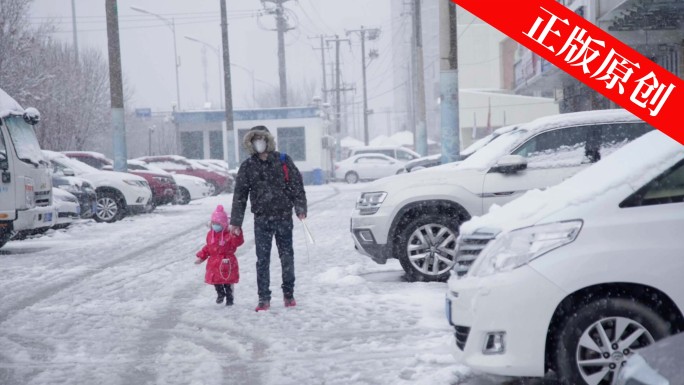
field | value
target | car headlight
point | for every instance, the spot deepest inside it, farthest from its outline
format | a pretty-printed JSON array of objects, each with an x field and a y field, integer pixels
[
  {"x": 29, "y": 194},
  {"x": 131, "y": 182},
  {"x": 513, "y": 249},
  {"x": 369, "y": 203},
  {"x": 200, "y": 183}
]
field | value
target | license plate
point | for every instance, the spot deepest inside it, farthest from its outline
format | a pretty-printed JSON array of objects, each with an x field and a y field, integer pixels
[
  {"x": 94, "y": 207},
  {"x": 47, "y": 217},
  {"x": 447, "y": 310}
]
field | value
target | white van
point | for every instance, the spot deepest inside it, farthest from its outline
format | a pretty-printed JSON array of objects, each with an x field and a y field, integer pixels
[
  {"x": 25, "y": 183},
  {"x": 575, "y": 278},
  {"x": 399, "y": 153}
]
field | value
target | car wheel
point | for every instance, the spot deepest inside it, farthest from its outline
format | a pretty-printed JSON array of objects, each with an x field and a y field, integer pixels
[
  {"x": 213, "y": 188},
  {"x": 5, "y": 237},
  {"x": 351, "y": 177},
  {"x": 150, "y": 206},
  {"x": 109, "y": 208},
  {"x": 596, "y": 340},
  {"x": 427, "y": 247},
  {"x": 184, "y": 196}
]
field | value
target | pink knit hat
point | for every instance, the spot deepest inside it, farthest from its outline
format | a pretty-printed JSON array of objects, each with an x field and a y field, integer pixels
[{"x": 219, "y": 216}]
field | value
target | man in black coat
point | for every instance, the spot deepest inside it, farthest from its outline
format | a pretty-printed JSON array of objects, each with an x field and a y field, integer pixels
[{"x": 274, "y": 186}]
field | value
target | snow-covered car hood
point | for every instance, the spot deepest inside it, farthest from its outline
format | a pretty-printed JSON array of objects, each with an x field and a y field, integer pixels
[
  {"x": 183, "y": 178},
  {"x": 446, "y": 174},
  {"x": 101, "y": 178},
  {"x": 626, "y": 170}
]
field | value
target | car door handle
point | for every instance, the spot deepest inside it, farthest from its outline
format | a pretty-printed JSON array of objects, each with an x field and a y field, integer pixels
[{"x": 497, "y": 194}]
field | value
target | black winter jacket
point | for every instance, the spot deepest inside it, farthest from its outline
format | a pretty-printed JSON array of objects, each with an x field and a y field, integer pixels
[{"x": 263, "y": 181}]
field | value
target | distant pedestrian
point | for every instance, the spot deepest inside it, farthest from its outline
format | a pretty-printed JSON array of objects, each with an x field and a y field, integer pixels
[
  {"x": 274, "y": 187},
  {"x": 222, "y": 266}
]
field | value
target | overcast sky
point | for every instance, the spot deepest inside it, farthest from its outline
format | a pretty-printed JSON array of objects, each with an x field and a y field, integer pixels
[{"x": 147, "y": 45}]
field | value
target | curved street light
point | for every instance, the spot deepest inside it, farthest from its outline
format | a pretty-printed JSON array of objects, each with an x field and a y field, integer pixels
[{"x": 172, "y": 25}]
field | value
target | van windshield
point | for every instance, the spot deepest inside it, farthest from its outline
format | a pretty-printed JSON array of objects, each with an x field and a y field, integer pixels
[{"x": 24, "y": 140}]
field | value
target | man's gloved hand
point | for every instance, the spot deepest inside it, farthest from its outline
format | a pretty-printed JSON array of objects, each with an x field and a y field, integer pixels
[{"x": 198, "y": 261}]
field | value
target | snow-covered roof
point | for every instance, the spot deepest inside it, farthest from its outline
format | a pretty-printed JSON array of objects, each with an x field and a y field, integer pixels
[
  {"x": 405, "y": 138},
  {"x": 579, "y": 118},
  {"x": 8, "y": 105},
  {"x": 92, "y": 154},
  {"x": 383, "y": 140},
  {"x": 351, "y": 142},
  {"x": 169, "y": 157}
]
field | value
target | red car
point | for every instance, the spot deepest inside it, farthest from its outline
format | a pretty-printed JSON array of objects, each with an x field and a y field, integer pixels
[
  {"x": 163, "y": 186},
  {"x": 222, "y": 182}
]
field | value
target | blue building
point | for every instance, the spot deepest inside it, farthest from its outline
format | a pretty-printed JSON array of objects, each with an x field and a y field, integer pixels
[{"x": 301, "y": 132}]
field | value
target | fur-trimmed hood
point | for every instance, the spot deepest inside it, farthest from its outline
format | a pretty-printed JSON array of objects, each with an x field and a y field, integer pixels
[{"x": 259, "y": 130}]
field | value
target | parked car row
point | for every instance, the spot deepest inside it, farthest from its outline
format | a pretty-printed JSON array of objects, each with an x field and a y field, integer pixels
[
  {"x": 82, "y": 191},
  {"x": 577, "y": 263}
]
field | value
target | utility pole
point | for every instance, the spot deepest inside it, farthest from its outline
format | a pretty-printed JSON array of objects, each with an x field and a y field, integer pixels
[
  {"x": 338, "y": 89},
  {"x": 373, "y": 34},
  {"x": 116, "y": 87},
  {"x": 74, "y": 27},
  {"x": 228, "y": 132},
  {"x": 420, "y": 138},
  {"x": 281, "y": 27},
  {"x": 324, "y": 90},
  {"x": 448, "y": 82}
]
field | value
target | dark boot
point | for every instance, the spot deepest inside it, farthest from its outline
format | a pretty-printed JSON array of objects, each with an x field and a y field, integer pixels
[
  {"x": 229, "y": 294},
  {"x": 220, "y": 293},
  {"x": 289, "y": 300}
]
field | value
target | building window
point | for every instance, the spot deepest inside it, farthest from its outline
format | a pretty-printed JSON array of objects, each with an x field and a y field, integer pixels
[
  {"x": 192, "y": 144},
  {"x": 215, "y": 145},
  {"x": 291, "y": 140}
]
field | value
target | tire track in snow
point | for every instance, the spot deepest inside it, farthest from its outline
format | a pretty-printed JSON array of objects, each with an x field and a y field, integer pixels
[{"x": 165, "y": 321}]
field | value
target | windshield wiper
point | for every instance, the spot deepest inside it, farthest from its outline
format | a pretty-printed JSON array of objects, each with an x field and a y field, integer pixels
[{"x": 27, "y": 160}]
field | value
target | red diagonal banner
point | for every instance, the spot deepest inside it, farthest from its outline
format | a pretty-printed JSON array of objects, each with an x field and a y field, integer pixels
[{"x": 592, "y": 56}]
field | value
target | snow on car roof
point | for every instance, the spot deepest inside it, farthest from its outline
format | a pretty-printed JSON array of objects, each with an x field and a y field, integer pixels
[
  {"x": 155, "y": 157},
  {"x": 634, "y": 164},
  {"x": 89, "y": 153},
  {"x": 9, "y": 106},
  {"x": 579, "y": 118}
]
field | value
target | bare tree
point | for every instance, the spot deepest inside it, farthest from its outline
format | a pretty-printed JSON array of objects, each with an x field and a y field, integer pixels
[{"x": 298, "y": 95}]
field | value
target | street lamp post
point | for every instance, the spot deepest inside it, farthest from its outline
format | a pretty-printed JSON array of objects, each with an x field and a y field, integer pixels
[
  {"x": 172, "y": 25},
  {"x": 149, "y": 140},
  {"x": 217, "y": 51}
]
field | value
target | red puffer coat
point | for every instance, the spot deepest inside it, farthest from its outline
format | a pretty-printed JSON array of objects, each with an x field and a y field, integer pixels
[{"x": 221, "y": 246}]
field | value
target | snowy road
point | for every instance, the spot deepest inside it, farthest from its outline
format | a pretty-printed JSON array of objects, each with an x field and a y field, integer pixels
[{"x": 123, "y": 303}]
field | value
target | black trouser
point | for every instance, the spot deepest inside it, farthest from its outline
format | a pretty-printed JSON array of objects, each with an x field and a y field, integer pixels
[
  {"x": 264, "y": 230},
  {"x": 224, "y": 291}
]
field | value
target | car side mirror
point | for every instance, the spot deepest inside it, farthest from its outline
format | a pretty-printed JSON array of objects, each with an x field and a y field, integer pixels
[
  {"x": 510, "y": 164},
  {"x": 68, "y": 172},
  {"x": 108, "y": 168}
]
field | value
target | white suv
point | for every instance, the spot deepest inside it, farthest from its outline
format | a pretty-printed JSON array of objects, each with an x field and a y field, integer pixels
[
  {"x": 118, "y": 193},
  {"x": 416, "y": 217},
  {"x": 580, "y": 275}
]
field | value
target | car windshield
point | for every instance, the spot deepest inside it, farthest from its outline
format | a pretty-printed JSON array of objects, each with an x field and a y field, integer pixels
[
  {"x": 490, "y": 153},
  {"x": 24, "y": 140},
  {"x": 78, "y": 166}
]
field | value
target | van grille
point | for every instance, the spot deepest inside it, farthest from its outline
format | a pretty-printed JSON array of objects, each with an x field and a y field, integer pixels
[
  {"x": 469, "y": 247},
  {"x": 461, "y": 335},
  {"x": 42, "y": 198}
]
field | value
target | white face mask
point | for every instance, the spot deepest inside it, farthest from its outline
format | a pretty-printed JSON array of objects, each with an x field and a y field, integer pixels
[{"x": 259, "y": 145}]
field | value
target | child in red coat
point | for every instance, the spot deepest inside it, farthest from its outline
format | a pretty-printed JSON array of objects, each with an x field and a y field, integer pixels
[{"x": 222, "y": 267}]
